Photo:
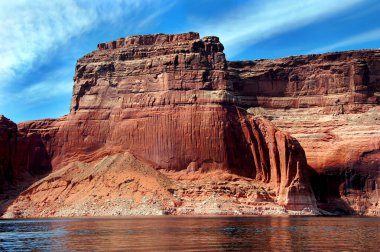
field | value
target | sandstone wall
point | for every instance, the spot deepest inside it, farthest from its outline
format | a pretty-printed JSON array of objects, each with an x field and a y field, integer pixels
[
  {"x": 348, "y": 80},
  {"x": 330, "y": 104},
  {"x": 8, "y": 138},
  {"x": 168, "y": 100},
  {"x": 174, "y": 102}
]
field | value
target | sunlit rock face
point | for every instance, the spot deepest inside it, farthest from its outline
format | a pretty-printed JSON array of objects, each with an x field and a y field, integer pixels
[
  {"x": 167, "y": 100},
  {"x": 175, "y": 103},
  {"x": 330, "y": 104}
]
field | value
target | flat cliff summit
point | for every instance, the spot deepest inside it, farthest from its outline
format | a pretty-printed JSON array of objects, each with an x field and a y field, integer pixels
[{"x": 164, "y": 124}]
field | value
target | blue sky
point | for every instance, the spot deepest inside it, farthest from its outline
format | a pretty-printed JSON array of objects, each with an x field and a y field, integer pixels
[{"x": 41, "y": 40}]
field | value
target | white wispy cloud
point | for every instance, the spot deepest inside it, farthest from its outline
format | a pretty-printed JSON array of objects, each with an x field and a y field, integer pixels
[
  {"x": 258, "y": 21},
  {"x": 58, "y": 83},
  {"x": 31, "y": 30},
  {"x": 156, "y": 14},
  {"x": 353, "y": 40}
]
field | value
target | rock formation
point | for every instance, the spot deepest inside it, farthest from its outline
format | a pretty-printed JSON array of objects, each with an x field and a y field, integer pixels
[
  {"x": 173, "y": 104},
  {"x": 329, "y": 103},
  {"x": 8, "y": 134}
]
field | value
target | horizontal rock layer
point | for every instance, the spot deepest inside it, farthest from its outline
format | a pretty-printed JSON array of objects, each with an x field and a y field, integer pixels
[
  {"x": 329, "y": 103},
  {"x": 174, "y": 102}
]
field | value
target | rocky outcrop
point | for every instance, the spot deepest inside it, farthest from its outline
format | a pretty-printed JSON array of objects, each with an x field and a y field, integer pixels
[
  {"x": 328, "y": 80},
  {"x": 204, "y": 127},
  {"x": 329, "y": 103},
  {"x": 120, "y": 184},
  {"x": 34, "y": 147},
  {"x": 8, "y": 138},
  {"x": 167, "y": 100}
]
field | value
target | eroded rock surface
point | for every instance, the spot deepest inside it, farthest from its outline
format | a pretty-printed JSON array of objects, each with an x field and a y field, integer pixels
[
  {"x": 330, "y": 104},
  {"x": 8, "y": 138},
  {"x": 174, "y": 104}
]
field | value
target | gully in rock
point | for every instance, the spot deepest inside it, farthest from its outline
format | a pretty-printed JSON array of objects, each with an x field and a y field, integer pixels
[{"x": 164, "y": 124}]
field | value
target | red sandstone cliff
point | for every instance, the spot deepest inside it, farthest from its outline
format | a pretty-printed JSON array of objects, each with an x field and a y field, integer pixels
[
  {"x": 174, "y": 104},
  {"x": 8, "y": 133},
  {"x": 330, "y": 104}
]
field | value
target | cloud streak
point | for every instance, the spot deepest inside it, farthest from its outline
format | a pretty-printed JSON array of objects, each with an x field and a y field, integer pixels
[
  {"x": 257, "y": 22},
  {"x": 354, "y": 40},
  {"x": 155, "y": 15},
  {"x": 58, "y": 83},
  {"x": 30, "y": 29}
]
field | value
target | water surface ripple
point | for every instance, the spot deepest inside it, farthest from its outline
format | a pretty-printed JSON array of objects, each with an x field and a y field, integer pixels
[{"x": 192, "y": 234}]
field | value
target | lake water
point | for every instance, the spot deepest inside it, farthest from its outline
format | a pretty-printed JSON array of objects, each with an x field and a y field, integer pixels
[{"x": 192, "y": 234}]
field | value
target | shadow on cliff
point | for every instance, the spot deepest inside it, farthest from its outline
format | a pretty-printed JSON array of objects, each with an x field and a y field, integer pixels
[
  {"x": 31, "y": 163},
  {"x": 327, "y": 188},
  {"x": 239, "y": 154}
]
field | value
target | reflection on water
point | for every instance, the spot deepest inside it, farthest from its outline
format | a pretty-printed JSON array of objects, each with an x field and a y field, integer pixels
[{"x": 192, "y": 234}]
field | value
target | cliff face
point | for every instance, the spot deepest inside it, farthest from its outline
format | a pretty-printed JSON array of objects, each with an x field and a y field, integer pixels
[
  {"x": 342, "y": 81},
  {"x": 172, "y": 103},
  {"x": 329, "y": 103},
  {"x": 8, "y": 134}
]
